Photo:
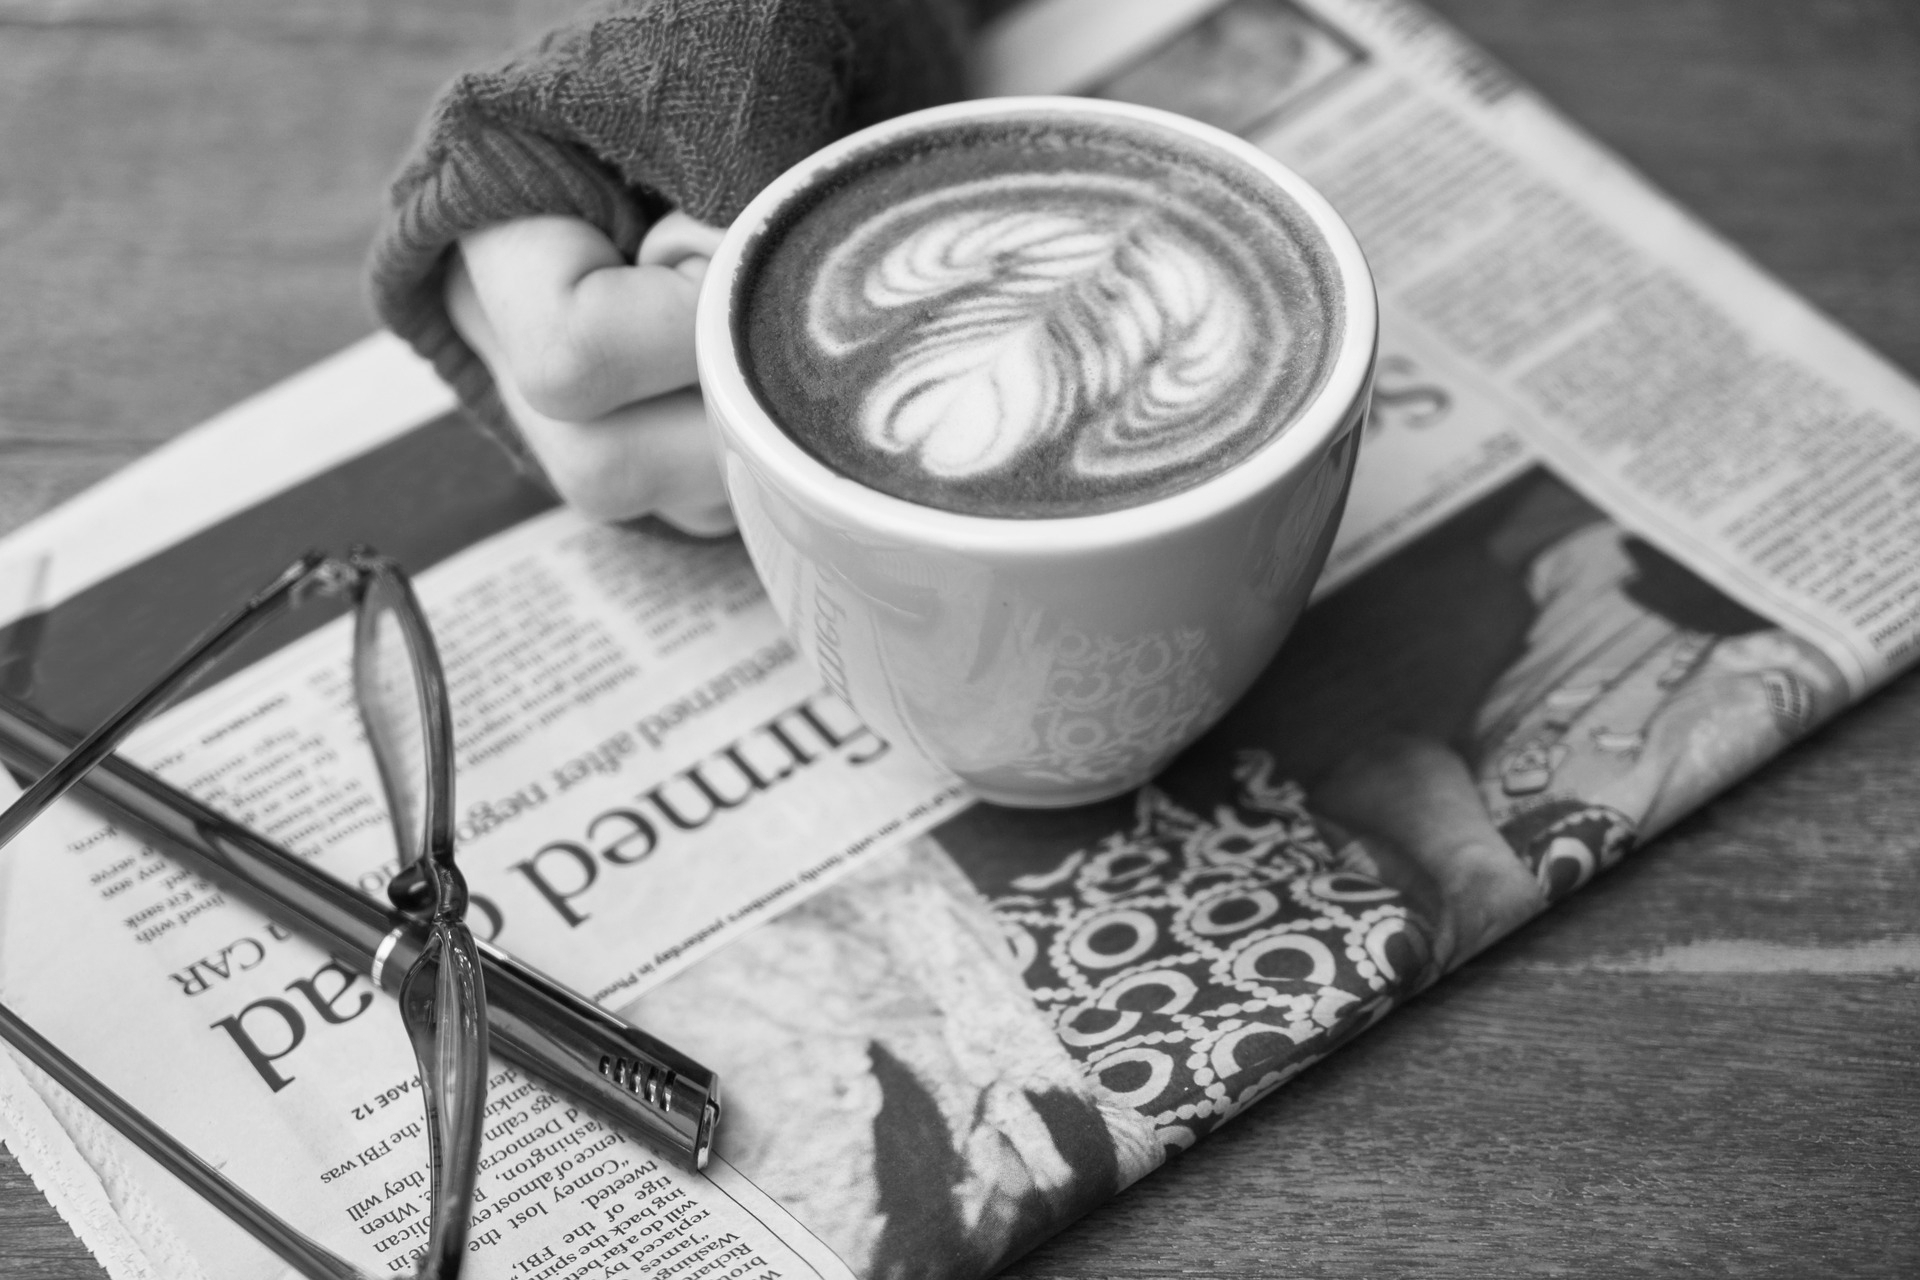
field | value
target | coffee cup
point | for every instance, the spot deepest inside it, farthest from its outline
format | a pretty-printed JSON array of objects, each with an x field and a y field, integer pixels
[{"x": 1038, "y": 416}]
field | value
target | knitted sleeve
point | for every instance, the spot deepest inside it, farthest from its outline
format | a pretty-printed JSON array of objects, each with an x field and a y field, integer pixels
[{"x": 633, "y": 108}]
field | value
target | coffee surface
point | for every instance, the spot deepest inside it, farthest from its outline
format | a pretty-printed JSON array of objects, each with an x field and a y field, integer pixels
[{"x": 1038, "y": 318}]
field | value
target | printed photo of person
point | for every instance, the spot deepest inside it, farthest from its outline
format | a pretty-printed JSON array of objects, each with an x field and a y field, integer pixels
[
  {"x": 1243, "y": 67},
  {"x": 1508, "y": 706}
]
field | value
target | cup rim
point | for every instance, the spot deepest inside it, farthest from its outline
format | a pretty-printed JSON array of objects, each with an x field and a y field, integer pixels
[{"x": 738, "y": 413}]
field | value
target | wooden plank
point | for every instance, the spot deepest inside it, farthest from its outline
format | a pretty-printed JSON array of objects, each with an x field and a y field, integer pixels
[{"x": 188, "y": 194}]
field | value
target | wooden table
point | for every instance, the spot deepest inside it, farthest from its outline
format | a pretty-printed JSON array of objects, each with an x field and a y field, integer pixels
[{"x": 1705, "y": 1064}]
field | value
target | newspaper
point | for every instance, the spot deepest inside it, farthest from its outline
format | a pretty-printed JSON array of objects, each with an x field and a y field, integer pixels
[{"x": 1629, "y": 518}]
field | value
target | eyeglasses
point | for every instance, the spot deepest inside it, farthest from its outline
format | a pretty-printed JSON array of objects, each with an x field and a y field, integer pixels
[{"x": 402, "y": 697}]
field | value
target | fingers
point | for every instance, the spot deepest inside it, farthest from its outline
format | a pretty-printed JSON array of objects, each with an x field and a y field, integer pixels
[
  {"x": 654, "y": 457},
  {"x": 676, "y": 238},
  {"x": 579, "y": 332},
  {"x": 651, "y": 458}
]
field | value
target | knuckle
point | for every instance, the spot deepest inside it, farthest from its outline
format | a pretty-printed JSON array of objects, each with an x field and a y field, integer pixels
[
  {"x": 562, "y": 379},
  {"x": 593, "y": 495},
  {"x": 597, "y": 476}
]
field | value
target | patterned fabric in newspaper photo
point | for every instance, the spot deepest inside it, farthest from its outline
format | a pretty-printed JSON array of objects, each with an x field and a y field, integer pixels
[{"x": 1195, "y": 963}]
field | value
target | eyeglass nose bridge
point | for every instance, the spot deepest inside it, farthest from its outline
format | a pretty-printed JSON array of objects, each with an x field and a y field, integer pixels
[{"x": 445, "y": 887}]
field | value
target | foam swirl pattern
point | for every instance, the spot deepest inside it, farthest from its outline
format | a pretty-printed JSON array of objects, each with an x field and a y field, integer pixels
[
  {"x": 1039, "y": 309},
  {"x": 1061, "y": 339}
]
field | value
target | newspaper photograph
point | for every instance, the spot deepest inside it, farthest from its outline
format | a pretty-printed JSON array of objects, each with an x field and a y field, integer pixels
[{"x": 1629, "y": 518}]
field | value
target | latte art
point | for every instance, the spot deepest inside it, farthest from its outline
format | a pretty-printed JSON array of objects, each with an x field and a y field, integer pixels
[
  {"x": 1099, "y": 327},
  {"x": 1020, "y": 312}
]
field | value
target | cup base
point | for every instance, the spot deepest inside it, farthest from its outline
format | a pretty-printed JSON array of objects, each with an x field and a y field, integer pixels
[{"x": 1047, "y": 797}]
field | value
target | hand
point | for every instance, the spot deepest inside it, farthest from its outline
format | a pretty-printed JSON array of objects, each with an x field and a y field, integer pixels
[{"x": 594, "y": 361}]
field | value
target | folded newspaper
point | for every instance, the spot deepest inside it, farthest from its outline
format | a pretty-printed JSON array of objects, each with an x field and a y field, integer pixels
[{"x": 1630, "y": 517}]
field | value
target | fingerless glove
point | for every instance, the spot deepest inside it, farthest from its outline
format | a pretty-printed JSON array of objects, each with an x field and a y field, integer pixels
[{"x": 634, "y": 108}]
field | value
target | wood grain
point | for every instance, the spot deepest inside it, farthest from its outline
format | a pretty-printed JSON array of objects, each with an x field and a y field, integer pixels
[{"x": 1704, "y": 1065}]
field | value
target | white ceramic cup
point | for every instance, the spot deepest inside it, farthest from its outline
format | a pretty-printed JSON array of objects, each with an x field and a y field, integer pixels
[{"x": 1051, "y": 661}]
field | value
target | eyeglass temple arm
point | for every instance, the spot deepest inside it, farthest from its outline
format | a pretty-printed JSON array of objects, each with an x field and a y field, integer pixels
[
  {"x": 256, "y": 612},
  {"x": 288, "y": 1244}
]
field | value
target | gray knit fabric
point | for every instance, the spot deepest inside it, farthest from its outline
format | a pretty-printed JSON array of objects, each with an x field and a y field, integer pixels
[{"x": 634, "y": 108}]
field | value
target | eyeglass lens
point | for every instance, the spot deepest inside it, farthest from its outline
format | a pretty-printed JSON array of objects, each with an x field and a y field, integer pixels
[
  {"x": 442, "y": 1000},
  {"x": 387, "y": 684}
]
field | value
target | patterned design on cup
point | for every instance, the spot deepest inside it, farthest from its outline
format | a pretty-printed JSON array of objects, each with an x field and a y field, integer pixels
[{"x": 1107, "y": 708}]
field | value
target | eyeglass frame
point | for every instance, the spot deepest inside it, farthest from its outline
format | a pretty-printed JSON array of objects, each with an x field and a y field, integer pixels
[{"x": 448, "y": 1031}]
